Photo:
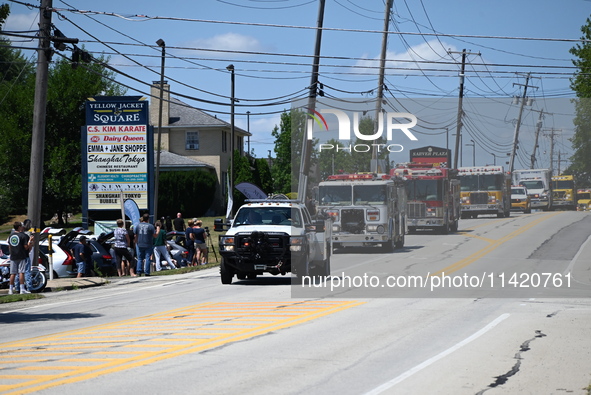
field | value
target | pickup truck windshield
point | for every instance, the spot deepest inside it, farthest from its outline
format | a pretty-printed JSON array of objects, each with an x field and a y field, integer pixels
[{"x": 268, "y": 216}]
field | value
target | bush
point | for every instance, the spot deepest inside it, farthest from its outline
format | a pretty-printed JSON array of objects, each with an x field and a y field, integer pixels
[{"x": 190, "y": 192}]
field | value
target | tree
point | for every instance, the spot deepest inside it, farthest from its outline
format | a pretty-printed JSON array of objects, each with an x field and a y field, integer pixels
[
  {"x": 362, "y": 158},
  {"x": 288, "y": 151},
  {"x": 581, "y": 84},
  {"x": 189, "y": 192},
  {"x": 334, "y": 161},
  {"x": 67, "y": 92}
]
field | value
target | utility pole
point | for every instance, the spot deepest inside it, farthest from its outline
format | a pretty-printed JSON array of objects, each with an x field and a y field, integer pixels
[
  {"x": 38, "y": 133},
  {"x": 374, "y": 168},
  {"x": 551, "y": 135},
  {"x": 538, "y": 128},
  {"x": 460, "y": 103},
  {"x": 518, "y": 125},
  {"x": 307, "y": 144}
]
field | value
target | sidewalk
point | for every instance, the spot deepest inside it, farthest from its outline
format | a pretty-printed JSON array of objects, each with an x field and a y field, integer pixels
[{"x": 73, "y": 283}]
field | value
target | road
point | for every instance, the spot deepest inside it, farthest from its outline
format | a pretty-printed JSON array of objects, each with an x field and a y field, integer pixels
[{"x": 190, "y": 334}]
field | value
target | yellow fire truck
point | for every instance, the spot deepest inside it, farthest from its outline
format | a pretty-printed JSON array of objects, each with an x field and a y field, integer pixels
[
  {"x": 485, "y": 190},
  {"x": 564, "y": 193}
]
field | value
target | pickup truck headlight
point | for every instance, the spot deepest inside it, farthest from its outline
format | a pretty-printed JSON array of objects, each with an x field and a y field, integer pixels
[
  {"x": 296, "y": 243},
  {"x": 227, "y": 243}
]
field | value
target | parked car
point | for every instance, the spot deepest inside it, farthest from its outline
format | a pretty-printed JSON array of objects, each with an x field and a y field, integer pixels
[
  {"x": 59, "y": 253},
  {"x": 103, "y": 261},
  {"x": 520, "y": 200}
]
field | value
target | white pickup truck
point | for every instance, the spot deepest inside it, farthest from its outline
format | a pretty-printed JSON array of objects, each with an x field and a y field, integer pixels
[{"x": 276, "y": 237}]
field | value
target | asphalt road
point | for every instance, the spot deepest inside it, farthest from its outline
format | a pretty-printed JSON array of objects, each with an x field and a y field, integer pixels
[{"x": 190, "y": 334}]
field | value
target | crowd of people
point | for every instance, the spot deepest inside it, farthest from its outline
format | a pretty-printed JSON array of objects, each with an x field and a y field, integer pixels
[
  {"x": 147, "y": 241},
  {"x": 133, "y": 250}
]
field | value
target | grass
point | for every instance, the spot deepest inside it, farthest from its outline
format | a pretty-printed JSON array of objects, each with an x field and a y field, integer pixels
[{"x": 19, "y": 297}]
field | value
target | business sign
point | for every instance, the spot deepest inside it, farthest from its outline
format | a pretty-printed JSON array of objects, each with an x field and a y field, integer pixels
[
  {"x": 430, "y": 154},
  {"x": 117, "y": 152}
]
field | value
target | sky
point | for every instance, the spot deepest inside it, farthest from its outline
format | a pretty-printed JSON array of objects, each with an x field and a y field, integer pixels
[{"x": 271, "y": 43}]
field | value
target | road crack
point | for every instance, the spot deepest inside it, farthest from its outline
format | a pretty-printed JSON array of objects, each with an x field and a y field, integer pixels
[{"x": 502, "y": 379}]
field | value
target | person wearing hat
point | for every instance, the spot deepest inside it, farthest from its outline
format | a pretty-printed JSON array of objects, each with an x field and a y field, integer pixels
[{"x": 83, "y": 256}]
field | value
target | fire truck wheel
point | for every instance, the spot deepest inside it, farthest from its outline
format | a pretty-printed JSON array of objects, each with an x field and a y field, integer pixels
[{"x": 400, "y": 242}]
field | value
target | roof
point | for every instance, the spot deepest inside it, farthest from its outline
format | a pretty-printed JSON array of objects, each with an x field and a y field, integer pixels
[
  {"x": 182, "y": 114},
  {"x": 168, "y": 160}
]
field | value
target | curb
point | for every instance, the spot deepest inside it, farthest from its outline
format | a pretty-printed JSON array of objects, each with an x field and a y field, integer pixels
[{"x": 74, "y": 283}]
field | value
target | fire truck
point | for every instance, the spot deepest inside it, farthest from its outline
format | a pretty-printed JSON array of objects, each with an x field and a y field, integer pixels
[
  {"x": 485, "y": 190},
  {"x": 564, "y": 192},
  {"x": 433, "y": 196},
  {"x": 367, "y": 210}
]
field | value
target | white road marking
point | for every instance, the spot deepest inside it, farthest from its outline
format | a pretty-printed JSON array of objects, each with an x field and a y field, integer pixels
[{"x": 437, "y": 357}]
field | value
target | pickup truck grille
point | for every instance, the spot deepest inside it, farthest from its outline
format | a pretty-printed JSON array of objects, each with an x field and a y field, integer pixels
[
  {"x": 416, "y": 210},
  {"x": 262, "y": 245},
  {"x": 478, "y": 198}
]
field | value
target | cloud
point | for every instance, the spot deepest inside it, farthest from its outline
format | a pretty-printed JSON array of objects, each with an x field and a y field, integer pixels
[
  {"x": 432, "y": 50},
  {"x": 228, "y": 42},
  {"x": 22, "y": 23}
]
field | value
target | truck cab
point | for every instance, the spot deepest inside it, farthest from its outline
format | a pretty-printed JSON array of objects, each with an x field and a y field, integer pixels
[{"x": 277, "y": 237}]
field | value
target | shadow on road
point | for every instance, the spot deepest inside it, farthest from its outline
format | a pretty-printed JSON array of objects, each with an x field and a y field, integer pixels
[{"x": 13, "y": 318}]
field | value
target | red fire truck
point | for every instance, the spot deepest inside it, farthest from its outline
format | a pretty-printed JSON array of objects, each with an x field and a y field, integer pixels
[{"x": 433, "y": 196}]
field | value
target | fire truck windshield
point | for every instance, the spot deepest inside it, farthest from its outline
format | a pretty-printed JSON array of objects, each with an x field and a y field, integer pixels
[
  {"x": 532, "y": 184},
  {"x": 482, "y": 182},
  {"x": 369, "y": 194},
  {"x": 424, "y": 190},
  {"x": 335, "y": 195},
  {"x": 563, "y": 184}
]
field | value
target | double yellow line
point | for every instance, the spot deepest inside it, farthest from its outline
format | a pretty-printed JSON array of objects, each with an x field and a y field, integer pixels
[{"x": 462, "y": 263}]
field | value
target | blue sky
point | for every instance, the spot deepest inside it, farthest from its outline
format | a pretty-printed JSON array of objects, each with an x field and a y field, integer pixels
[{"x": 270, "y": 43}]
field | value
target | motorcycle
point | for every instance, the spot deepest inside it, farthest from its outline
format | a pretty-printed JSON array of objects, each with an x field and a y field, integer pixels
[{"x": 38, "y": 276}]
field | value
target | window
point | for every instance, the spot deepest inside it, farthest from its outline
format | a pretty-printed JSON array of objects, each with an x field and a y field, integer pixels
[
  {"x": 192, "y": 140},
  {"x": 224, "y": 142}
]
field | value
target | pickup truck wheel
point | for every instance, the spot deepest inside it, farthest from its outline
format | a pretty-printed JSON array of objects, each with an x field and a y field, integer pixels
[
  {"x": 226, "y": 273},
  {"x": 251, "y": 276},
  {"x": 241, "y": 276}
]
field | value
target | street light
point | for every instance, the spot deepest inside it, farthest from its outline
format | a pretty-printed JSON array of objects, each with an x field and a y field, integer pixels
[
  {"x": 473, "y": 145},
  {"x": 230, "y": 68},
  {"x": 161, "y": 44},
  {"x": 494, "y": 158}
]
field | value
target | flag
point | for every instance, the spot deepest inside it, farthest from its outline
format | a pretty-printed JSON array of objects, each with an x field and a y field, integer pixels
[{"x": 230, "y": 202}]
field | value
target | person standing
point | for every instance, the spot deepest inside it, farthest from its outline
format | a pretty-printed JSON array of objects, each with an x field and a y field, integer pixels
[
  {"x": 168, "y": 224},
  {"x": 120, "y": 246},
  {"x": 19, "y": 245},
  {"x": 160, "y": 250},
  {"x": 179, "y": 225},
  {"x": 129, "y": 268},
  {"x": 200, "y": 238},
  {"x": 144, "y": 241},
  {"x": 189, "y": 243},
  {"x": 28, "y": 276},
  {"x": 83, "y": 256}
]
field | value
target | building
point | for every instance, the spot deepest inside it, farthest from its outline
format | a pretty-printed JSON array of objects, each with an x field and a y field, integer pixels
[{"x": 197, "y": 136}]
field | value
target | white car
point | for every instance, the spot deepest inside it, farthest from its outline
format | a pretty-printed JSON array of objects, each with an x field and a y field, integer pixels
[{"x": 64, "y": 264}]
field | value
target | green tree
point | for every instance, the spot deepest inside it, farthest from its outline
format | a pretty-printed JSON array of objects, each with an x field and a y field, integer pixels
[
  {"x": 581, "y": 84},
  {"x": 334, "y": 161},
  {"x": 288, "y": 151},
  {"x": 67, "y": 91},
  {"x": 362, "y": 160},
  {"x": 190, "y": 192}
]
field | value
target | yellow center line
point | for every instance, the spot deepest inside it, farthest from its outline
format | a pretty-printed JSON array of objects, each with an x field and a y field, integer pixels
[
  {"x": 491, "y": 247},
  {"x": 153, "y": 348}
]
